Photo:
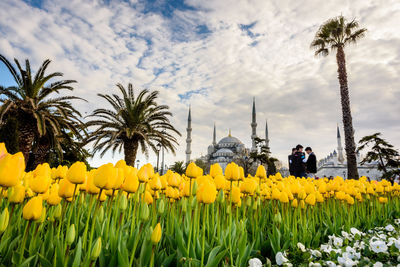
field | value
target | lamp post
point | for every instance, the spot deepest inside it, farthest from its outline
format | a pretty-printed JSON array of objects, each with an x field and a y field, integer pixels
[
  {"x": 158, "y": 154},
  {"x": 137, "y": 162}
]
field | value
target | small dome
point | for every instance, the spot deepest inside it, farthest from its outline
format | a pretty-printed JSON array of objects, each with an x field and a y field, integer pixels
[{"x": 224, "y": 152}]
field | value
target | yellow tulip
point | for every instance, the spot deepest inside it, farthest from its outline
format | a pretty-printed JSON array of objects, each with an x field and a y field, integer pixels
[
  {"x": 156, "y": 234},
  {"x": 192, "y": 170},
  {"x": 215, "y": 170},
  {"x": 235, "y": 195},
  {"x": 121, "y": 164},
  {"x": 294, "y": 203},
  {"x": 148, "y": 198},
  {"x": 174, "y": 180},
  {"x": 232, "y": 172},
  {"x": 40, "y": 184},
  {"x": 155, "y": 183},
  {"x": 383, "y": 199},
  {"x": 90, "y": 187},
  {"x": 105, "y": 176},
  {"x": 207, "y": 192},
  {"x": 145, "y": 173},
  {"x": 33, "y": 209},
  {"x": 3, "y": 150},
  {"x": 261, "y": 173},
  {"x": 17, "y": 194},
  {"x": 54, "y": 199},
  {"x": 249, "y": 186},
  {"x": 66, "y": 189},
  {"x": 310, "y": 199},
  {"x": 42, "y": 170},
  {"x": 12, "y": 168},
  {"x": 76, "y": 174},
  {"x": 61, "y": 172},
  {"x": 283, "y": 197},
  {"x": 131, "y": 182}
]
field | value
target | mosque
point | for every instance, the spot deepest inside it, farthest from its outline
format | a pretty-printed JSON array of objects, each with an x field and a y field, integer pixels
[
  {"x": 335, "y": 165},
  {"x": 228, "y": 148}
]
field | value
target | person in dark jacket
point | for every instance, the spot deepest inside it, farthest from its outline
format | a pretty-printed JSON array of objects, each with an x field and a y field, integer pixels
[
  {"x": 311, "y": 164},
  {"x": 291, "y": 170},
  {"x": 299, "y": 162}
]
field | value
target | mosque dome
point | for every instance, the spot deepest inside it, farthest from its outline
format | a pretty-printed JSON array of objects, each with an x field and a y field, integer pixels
[
  {"x": 229, "y": 141},
  {"x": 224, "y": 152}
]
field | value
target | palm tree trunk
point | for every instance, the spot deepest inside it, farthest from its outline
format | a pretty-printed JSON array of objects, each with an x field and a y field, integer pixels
[
  {"x": 26, "y": 136},
  {"x": 41, "y": 152},
  {"x": 130, "y": 149},
  {"x": 350, "y": 146}
]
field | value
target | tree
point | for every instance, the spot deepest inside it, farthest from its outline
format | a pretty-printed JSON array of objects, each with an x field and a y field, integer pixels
[
  {"x": 9, "y": 135},
  {"x": 178, "y": 167},
  {"x": 334, "y": 35},
  {"x": 205, "y": 166},
  {"x": 133, "y": 121},
  {"x": 383, "y": 152},
  {"x": 31, "y": 103}
]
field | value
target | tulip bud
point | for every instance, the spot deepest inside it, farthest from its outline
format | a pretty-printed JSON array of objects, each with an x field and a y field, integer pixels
[
  {"x": 96, "y": 249},
  {"x": 228, "y": 210},
  {"x": 11, "y": 169},
  {"x": 193, "y": 203},
  {"x": 277, "y": 217},
  {"x": 76, "y": 174},
  {"x": 70, "y": 234},
  {"x": 123, "y": 202},
  {"x": 161, "y": 207},
  {"x": 156, "y": 235},
  {"x": 4, "y": 217},
  {"x": 57, "y": 211},
  {"x": 184, "y": 205},
  {"x": 221, "y": 197},
  {"x": 16, "y": 194},
  {"x": 144, "y": 212},
  {"x": 194, "y": 188}
]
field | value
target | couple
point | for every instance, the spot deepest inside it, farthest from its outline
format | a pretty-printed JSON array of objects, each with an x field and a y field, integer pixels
[{"x": 299, "y": 166}]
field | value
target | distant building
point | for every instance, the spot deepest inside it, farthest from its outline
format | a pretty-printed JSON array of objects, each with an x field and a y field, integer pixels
[
  {"x": 228, "y": 148},
  {"x": 335, "y": 164}
]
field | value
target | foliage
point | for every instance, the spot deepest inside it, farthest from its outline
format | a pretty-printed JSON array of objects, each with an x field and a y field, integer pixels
[
  {"x": 382, "y": 152},
  {"x": 9, "y": 136},
  {"x": 178, "y": 167},
  {"x": 32, "y": 103},
  {"x": 133, "y": 121}
]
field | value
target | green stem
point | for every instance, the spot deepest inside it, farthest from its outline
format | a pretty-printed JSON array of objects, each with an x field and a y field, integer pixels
[{"x": 24, "y": 241}]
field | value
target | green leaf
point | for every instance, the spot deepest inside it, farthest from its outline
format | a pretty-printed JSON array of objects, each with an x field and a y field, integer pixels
[
  {"x": 27, "y": 261},
  {"x": 217, "y": 259},
  {"x": 145, "y": 253},
  {"x": 45, "y": 262},
  {"x": 78, "y": 254}
]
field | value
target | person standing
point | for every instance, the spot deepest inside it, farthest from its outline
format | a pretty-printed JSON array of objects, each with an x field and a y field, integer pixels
[
  {"x": 290, "y": 159},
  {"x": 298, "y": 161},
  {"x": 311, "y": 164}
]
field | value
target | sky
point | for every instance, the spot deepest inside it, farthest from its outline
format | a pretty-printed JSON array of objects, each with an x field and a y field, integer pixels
[{"x": 216, "y": 56}]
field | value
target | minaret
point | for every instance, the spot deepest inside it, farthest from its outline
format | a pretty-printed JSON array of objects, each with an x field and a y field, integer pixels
[
  {"x": 339, "y": 148},
  {"x": 253, "y": 127},
  {"x": 266, "y": 134},
  {"x": 214, "y": 136},
  {"x": 189, "y": 137}
]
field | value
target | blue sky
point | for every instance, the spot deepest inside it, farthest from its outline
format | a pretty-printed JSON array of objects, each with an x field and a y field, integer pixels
[{"x": 216, "y": 56}]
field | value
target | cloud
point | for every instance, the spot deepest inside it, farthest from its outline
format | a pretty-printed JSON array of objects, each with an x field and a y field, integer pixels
[{"x": 217, "y": 57}]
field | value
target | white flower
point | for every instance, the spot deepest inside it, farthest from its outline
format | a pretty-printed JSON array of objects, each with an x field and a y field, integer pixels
[
  {"x": 382, "y": 236},
  {"x": 347, "y": 262},
  {"x": 326, "y": 248},
  {"x": 316, "y": 253},
  {"x": 351, "y": 252},
  {"x": 391, "y": 240},
  {"x": 255, "y": 262},
  {"x": 378, "y": 264},
  {"x": 280, "y": 259},
  {"x": 330, "y": 264},
  {"x": 378, "y": 246},
  {"x": 301, "y": 247},
  {"x": 346, "y": 235},
  {"x": 397, "y": 221},
  {"x": 312, "y": 264},
  {"x": 389, "y": 228},
  {"x": 337, "y": 242},
  {"x": 355, "y": 231},
  {"x": 397, "y": 244}
]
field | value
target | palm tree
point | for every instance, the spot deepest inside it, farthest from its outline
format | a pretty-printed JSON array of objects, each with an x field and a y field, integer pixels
[
  {"x": 30, "y": 102},
  {"x": 133, "y": 121},
  {"x": 332, "y": 36}
]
